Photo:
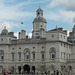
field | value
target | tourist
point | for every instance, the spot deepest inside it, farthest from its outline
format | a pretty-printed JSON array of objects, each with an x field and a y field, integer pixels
[
  {"x": 6, "y": 73},
  {"x": 61, "y": 72},
  {"x": 54, "y": 72},
  {"x": 57, "y": 72},
  {"x": 45, "y": 72},
  {"x": 49, "y": 72}
]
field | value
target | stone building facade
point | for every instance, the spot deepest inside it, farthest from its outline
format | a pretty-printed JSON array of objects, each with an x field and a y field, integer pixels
[{"x": 46, "y": 50}]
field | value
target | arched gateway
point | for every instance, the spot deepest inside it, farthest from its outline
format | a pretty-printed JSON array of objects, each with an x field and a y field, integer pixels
[{"x": 26, "y": 68}]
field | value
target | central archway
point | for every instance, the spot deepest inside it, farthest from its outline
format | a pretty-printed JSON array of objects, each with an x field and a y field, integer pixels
[{"x": 26, "y": 68}]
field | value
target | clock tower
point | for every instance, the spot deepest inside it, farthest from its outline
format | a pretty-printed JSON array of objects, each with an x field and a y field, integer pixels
[{"x": 39, "y": 25}]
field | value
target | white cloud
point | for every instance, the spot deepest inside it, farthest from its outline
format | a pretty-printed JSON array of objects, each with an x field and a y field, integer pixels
[
  {"x": 11, "y": 12},
  {"x": 69, "y": 4},
  {"x": 16, "y": 34},
  {"x": 61, "y": 15},
  {"x": 56, "y": 3},
  {"x": 74, "y": 20},
  {"x": 68, "y": 33},
  {"x": 5, "y": 24},
  {"x": 30, "y": 35}
]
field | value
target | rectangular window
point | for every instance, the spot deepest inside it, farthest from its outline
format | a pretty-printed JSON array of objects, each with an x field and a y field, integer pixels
[
  {"x": 61, "y": 36},
  {"x": 12, "y": 48},
  {"x": 53, "y": 56},
  {"x": 42, "y": 56},
  {"x": 64, "y": 55},
  {"x": 52, "y": 36},
  {"x": 1, "y": 39},
  {"x": 2, "y": 57},
  {"x": 19, "y": 56},
  {"x": 33, "y": 47},
  {"x": 42, "y": 46},
  {"x": 64, "y": 45},
  {"x": 12, "y": 56},
  {"x": 64, "y": 37},
  {"x": 33, "y": 56},
  {"x": 19, "y": 47},
  {"x": 61, "y": 55},
  {"x": 27, "y": 56}
]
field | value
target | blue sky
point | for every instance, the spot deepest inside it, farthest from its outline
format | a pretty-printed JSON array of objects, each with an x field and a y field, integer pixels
[{"x": 56, "y": 12}]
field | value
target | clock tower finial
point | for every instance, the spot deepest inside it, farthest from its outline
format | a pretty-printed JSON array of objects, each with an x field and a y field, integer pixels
[{"x": 39, "y": 5}]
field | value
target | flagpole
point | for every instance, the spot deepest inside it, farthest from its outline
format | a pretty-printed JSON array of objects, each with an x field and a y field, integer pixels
[{"x": 21, "y": 25}]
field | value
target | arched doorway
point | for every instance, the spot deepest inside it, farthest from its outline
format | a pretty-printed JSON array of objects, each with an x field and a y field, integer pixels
[
  {"x": 26, "y": 68},
  {"x": 19, "y": 69},
  {"x": 33, "y": 69}
]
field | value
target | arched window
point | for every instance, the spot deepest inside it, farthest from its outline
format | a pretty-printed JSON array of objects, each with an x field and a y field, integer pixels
[
  {"x": 1, "y": 55},
  {"x": 13, "y": 55},
  {"x": 43, "y": 55},
  {"x": 19, "y": 54},
  {"x": 33, "y": 53},
  {"x": 27, "y": 54},
  {"x": 52, "y": 53}
]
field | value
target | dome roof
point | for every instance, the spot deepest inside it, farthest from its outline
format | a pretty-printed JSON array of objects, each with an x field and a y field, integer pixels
[
  {"x": 39, "y": 10},
  {"x": 4, "y": 32},
  {"x": 39, "y": 19}
]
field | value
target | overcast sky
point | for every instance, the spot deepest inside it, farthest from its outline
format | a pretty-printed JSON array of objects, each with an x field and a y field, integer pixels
[{"x": 56, "y": 12}]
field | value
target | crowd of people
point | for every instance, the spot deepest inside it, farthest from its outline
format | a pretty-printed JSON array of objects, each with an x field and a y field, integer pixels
[
  {"x": 57, "y": 72},
  {"x": 4, "y": 72}
]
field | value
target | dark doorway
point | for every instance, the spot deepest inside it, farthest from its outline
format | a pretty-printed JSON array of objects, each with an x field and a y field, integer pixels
[
  {"x": 33, "y": 69},
  {"x": 26, "y": 68},
  {"x": 19, "y": 69}
]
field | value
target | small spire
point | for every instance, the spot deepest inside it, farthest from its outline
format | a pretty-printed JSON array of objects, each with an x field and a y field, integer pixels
[{"x": 39, "y": 5}]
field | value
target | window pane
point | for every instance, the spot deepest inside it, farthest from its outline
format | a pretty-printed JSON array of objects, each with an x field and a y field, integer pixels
[
  {"x": 33, "y": 56},
  {"x": 2, "y": 57},
  {"x": 19, "y": 56},
  {"x": 53, "y": 55}
]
